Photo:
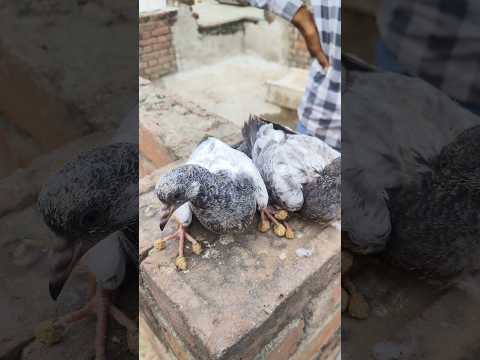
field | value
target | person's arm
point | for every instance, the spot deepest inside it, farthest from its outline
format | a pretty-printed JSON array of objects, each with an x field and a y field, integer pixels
[
  {"x": 297, "y": 13},
  {"x": 305, "y": 23}
]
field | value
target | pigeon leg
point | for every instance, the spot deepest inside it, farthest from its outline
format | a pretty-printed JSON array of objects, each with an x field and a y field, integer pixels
[
  {"x": 181, "y": 261},
  {"x": 289, "y": 233},
  {"x": 279, "y": 229},
  {"x": 264, "y": 224},
  {"x": 161, "y": 243},
  {"x": 196, "y": 246},
  {"x": 101, "y": 306},
  {"x": 86, "y": 310},
  {"x": 181, "y": 234}
]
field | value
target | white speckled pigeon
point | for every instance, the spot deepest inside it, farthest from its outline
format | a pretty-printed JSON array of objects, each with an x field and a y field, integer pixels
[
  {"x": 220, "y": 185},
  {"x": 294, "y": 167}
]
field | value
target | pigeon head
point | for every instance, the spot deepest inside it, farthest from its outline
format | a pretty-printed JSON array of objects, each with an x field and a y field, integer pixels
[
  {"x": 91, "y": 197},
  {"x": 179, "y": 186}
]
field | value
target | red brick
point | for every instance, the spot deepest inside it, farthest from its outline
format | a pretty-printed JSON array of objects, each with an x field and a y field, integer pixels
[
  {"x": 321, "y": 338},
  {"x": 145, "y": 35},
  {"x": 146, "y": 27},
  {"x": 146, "y": 49},
  {"x": 161, "y": 45},
  {"x": 161, "y": 30},
  {"x": 151, "y": 149},
  {"x": 287, "y": 342},
  {"x": 147, "y": 42},
  {"x": 151, "y": 56}
]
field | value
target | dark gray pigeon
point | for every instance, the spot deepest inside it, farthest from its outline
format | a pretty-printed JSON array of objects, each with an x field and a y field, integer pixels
[
  {"x": 91, "y": 204},
  {"x": 410, "y": 173},
  {"x": 90, "y": 198},
  {"x": 220, "y": 185},
  {"x": 290, "y": 165}
]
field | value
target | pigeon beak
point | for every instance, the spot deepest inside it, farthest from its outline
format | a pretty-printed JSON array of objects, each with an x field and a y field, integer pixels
[
  {"x": 165, "y": 215},
  {"x": 65, "y": 257}
]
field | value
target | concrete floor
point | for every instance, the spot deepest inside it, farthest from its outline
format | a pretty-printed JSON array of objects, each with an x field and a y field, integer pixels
[{"x": 233, "y": 88}]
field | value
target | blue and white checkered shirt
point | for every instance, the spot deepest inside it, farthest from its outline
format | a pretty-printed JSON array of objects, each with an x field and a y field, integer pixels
[
  {"x": 437, "y": 40},
  {"x": 320, "y": 110}
]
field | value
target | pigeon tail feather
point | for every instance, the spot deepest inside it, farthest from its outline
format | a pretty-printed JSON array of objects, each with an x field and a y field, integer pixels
[{"x": 250, "y": 131}]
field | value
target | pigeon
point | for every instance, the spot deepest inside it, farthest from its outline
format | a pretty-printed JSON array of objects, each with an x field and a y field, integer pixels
[
  {"x": 293, "y": 167},
  {"x": 91, "y": 204},
  {"x": 219, "y": 185},
  {"x": 410, "y": 173},
  {"x": 322, "y": 197}
]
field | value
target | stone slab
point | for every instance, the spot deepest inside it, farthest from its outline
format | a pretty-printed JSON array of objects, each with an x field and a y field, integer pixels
[
  {"x": 179, "y": 124},
  {"x": 213, "y": 14},
  {"x": 242, "y": 289},
  {"x": 288, "y": 91}
]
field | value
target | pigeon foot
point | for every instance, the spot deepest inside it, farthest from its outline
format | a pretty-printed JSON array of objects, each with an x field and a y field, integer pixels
[
  {"x": 281, "y": 215},
  {"x": 181, "y": 234},
  {"x": 102, "y": 307},
  {"x": 281, "y": 227}
]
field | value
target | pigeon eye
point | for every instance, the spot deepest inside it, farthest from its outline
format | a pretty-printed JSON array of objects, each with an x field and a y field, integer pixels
[{"x": 90, "y": 218}]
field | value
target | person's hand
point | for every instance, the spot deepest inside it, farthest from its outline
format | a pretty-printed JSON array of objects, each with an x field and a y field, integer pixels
[{"x": 305, "y": 23}]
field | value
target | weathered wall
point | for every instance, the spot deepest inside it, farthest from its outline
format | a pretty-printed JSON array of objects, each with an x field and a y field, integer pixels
[
  {"x": 196, "y": 48},
  {"x": 157, "y": 55},
  {"x": 298, "y": 55}
]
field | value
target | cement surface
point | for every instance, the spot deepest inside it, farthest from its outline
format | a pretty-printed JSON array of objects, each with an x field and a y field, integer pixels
[
  {"x": 241, "y": 285},
  {"x": 211, "y": 14},
  {"x": 233, "y": 88},
  {"x": 288, "y": 91}
]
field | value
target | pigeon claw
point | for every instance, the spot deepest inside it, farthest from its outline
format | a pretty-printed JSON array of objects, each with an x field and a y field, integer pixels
[
  {"x": 197, "y": 248},
  {"x": 279, "y": 230},
  {"x": 159, "y": 244},
  {"x": 264, "y": 226},
  {"x": 289, "y": 233},
  {"x": 181, "y": 263},
  {"x": 49, "y": 333},
  {"x": 281, "y": 215}
]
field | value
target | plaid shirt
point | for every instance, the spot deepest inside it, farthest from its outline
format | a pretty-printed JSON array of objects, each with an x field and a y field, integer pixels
[
  {"x": 320, "y": 110},
  {"x": 437, "y": 40}
]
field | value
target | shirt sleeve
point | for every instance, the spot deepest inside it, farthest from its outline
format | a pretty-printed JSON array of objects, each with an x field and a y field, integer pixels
[{"x": 284, "y": 8}]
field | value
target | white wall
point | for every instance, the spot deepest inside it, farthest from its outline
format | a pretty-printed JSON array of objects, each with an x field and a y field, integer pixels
[
  {"x": 151, "y": 5},
  {"x": 193, "y": 49}
]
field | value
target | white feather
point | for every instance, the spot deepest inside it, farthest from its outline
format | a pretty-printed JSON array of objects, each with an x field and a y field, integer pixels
[
  {"x": 289, "y": 161},
  {"x": 107, "y": 260},
  {"x": 216, "y": 156}
]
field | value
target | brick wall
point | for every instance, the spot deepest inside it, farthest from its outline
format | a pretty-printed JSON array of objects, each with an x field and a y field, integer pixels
[
  {"x": 298, "y": 55},
  {"x": 157, "y": 52}
]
